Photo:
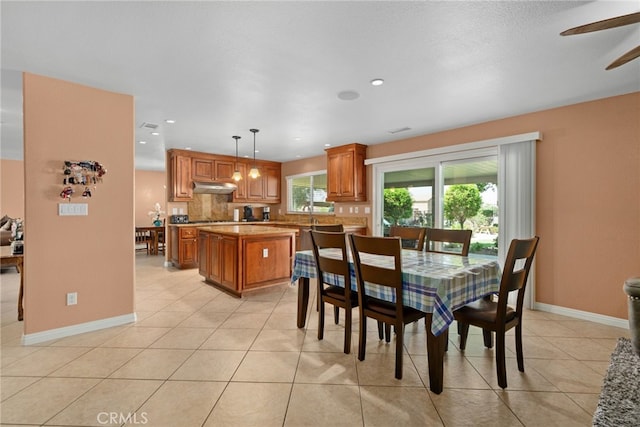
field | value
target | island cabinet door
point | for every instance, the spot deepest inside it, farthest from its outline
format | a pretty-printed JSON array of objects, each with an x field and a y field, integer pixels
[
  {"x": 229, "y": 262},
  {"x": 222, "y": 260},
  {"x": 213, "y": 258},
  {"x": 203, "y": 250},
  {"x": 267, "y": 260}
]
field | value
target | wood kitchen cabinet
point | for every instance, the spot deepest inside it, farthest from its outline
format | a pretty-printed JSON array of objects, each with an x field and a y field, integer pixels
[
  {"x": 211, "y": 169},
  {"x": 185, "y": 167},
  {"x": 184, "y": 247},
  {"x": 180, "y": 183},
  {"x": 218, "y": 259},
  {"x": 265, "y": 188},
  {"x": 240, "y": 258},
  {"x": 346, "y": 173},
  {"x": 240, "y": 195}
]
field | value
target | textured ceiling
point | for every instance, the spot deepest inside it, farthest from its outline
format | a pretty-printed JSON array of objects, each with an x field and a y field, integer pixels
[{"x": 221, "y": 68}]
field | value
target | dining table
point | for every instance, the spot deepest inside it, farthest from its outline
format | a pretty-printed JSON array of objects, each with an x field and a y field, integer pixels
[
  {"x": 434, "y": 283},
  {"x": 154, "y": 231}
]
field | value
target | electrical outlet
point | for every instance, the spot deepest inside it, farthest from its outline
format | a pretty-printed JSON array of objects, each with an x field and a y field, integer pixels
[
  {"x": 356, "y": 208},
  {"x": 367, "y": 210},
  {"x": 265, "y": 253},
  {"x": 340, "y": 209},
  {"x": 350, "y": 209},
  {"x": 72, "y": 298}
]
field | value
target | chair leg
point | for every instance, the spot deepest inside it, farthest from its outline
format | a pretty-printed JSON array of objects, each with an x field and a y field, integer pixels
[
  {"x": 320, "y": 319},
  {"x": 336, "y": 314},
  {"x": 362, "y": 342},
  {"x": 380, "y": 330},
  {"x": 399, "y": 349},
  {"x": 500, "y": 360},
  {"x": 519, "y": 353},
  {"x": 464, "y": 332},
  {"x": 487, "y": 337},
  {"x": 347, "y": 330},
  {"x": 387, "y": 332}
]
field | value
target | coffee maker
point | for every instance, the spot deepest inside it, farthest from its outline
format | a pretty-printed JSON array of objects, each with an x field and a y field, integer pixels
[
  {"x": 266, "y": 213},
  {"x": 248, "y": 213}
]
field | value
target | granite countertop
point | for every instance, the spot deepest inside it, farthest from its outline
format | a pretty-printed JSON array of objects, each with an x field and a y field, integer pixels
[
  {"x": 259, "y": 223},
  {"x": 246, "y": 230}
]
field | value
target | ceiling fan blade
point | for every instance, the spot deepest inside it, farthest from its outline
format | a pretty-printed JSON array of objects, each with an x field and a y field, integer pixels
[
  {"x": 632, "y": 54},
  {"x": 618, "y": 21}
]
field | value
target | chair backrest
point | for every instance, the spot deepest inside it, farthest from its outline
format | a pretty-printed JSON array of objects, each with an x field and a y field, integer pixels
[
  {"x": 412, "y": 237},
  {"x": 515, "y": 273},
  {"x": 142, "y": 236},
  {"x": 326, "y": 265},
  {"x": 337, "y": 228},
  {"x": 437, "y": 236},
  {"x": 375, "y": 272}
]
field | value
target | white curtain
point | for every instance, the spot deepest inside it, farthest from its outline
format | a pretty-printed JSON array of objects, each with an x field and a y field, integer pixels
[{"x": 516, "y": 196}]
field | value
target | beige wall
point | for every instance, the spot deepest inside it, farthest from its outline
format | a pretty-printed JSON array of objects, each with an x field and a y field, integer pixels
[
  {"x": 150, "y": 187},
  {"x": 92, "y": 255},
  {"x": 587, "y": 196},
  {"x": 12, "y": 188}
]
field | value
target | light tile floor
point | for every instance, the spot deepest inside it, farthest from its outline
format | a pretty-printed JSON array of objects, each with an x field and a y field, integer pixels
[{"x": 199, "y": 357}]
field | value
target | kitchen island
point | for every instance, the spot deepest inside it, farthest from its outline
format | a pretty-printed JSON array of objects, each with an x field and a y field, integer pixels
[{"x": 241, "y": 258}]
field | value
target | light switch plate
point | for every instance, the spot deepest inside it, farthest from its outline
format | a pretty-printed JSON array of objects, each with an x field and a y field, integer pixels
[
  {"x": 73, "y": 209},
  {"x": 265, "y": 253}
]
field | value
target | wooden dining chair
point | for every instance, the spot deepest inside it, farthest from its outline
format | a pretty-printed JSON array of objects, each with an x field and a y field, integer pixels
[
  {"x": 142, "y": 241},
  {"x": 437, "y": 237},
  {"x": 498, "y": 316},
  {"x": 412, "y": 237},
  {"x": 389, "y": 279},
  {"x": 335, "y": 228},
  {"x": 339, "y": 297}
]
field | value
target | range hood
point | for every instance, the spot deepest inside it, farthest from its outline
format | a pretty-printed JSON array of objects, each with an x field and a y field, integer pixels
[{"x": 214, "y": 187}]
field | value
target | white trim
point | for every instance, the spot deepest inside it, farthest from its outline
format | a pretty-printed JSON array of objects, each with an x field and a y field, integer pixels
[
  {"x": 531, "y": 136},
  {"x": 81, "y": 328},
  {"x": 583, "y": 315}
]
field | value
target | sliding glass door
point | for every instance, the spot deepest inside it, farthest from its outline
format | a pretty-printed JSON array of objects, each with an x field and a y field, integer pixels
[
  {"x": 501, "y": 171},
  {"x": 446, "y": 192}
]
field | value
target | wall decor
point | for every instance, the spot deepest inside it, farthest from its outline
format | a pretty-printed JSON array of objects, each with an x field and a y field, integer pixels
[{"x": 86, "y": 173}]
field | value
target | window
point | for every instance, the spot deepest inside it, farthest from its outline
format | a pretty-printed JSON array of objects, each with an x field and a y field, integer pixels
[{"x": 308, "y": 193}]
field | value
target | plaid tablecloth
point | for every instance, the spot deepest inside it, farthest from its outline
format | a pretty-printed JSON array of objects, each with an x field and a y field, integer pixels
[{"x": 432, "y": 283}]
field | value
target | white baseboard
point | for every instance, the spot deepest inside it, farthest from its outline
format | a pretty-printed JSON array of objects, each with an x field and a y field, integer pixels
[
  {"x": 81, "y": 328},
  {"x": 168, "y": 264},
  {"x": 583, "y": 315}
]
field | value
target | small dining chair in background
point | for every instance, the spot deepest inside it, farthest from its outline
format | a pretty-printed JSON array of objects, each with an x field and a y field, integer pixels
[
  {"x": 411, "y": 237},
  {"x": 437, "y": 237}
]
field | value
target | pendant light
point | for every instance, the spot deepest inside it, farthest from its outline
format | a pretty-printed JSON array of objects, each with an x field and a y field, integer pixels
[
  {"x": 254, "y": 172},
  {"x": 237, "y": 176}
]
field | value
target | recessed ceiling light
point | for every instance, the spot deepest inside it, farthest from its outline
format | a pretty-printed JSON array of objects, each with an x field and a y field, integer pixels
[
  {"x": 142, "y": 142},
  {"x": 327, "y": 145},
  {"x": 155, "y": 133},
  {"x": 377, "y": 82},
  {"x": 187, "y": 148},
  {"x": 170, "y": 121},
  {"x": 348, "y": 95},
  {"x": 297, "y": 138}
]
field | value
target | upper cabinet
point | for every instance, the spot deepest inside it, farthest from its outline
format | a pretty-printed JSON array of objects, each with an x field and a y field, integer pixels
[
  {"x": 209, "y": 170},
  {"x": 346, "y": 173},
  {"x": 185, "y": 167},
  {"x": 265, "y": 188},
  {"x": 180, "y": 183}
]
